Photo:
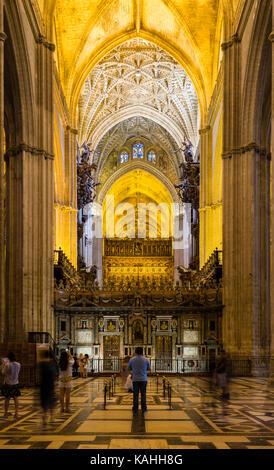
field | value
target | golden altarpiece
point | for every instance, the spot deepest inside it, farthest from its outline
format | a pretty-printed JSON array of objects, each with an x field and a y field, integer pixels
[
  {"x": 138, "y": 299},
  {"x": 138, "y": 305}
]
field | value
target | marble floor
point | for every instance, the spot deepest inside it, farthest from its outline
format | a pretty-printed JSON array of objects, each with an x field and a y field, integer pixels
[{"x": 197, "y": 419}]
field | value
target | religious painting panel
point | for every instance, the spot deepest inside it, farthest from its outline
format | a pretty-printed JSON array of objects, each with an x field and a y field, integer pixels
[
  {"x": 138, "y": 332},
  {"x": 111, "y": 344}
]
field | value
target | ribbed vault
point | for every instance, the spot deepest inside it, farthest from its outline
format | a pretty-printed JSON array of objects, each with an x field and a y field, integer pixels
[
  {"x": 139, "y": 73},
  {"x": 140, "y": 128}
]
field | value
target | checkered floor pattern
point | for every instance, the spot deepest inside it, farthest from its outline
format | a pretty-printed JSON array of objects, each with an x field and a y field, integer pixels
[{"x": 198, "y": 417}]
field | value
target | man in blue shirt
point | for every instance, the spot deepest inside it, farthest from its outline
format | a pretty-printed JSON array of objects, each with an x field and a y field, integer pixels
[{"x": 139, "y": 365}]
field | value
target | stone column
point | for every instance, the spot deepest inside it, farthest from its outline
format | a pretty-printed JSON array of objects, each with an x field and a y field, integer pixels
[
  {"x": 182, "y": 249},
  {"x": 271, "y": 37},
  {"x": 71, "y": 191},
  {"x": 244, "y": 225},
  {"x": 232, "y": 172},
  {"x": 96, "y": 330},
  {"x": 205, "y": 150},
  {"x": 2, "y": 185},
  {"x": 145, "y": 335},
  {"x": 45, "y": 169},
  {"x": 30, "y": 214},
  {"x": 149, "y": 330}
]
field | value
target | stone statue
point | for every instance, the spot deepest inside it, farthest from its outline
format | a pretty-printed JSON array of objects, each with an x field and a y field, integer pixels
[
  {"x": 86, "y": 186},
  {"x": 187, "y": 150}
]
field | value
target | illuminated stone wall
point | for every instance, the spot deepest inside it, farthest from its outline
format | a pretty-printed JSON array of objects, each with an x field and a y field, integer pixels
[{"x": 211, "y": 233}]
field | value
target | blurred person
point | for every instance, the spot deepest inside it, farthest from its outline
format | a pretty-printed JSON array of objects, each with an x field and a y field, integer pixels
[
  {"x": 75, "y": 366},
  {"x": 222, "y": 371},
  {"x": 48, "y": 375},
  {"x": 65, "y": 379},
  {"x": 85, "y": 366},
  {"x": 10, "y": 389},
  {"x": 81, "y": 365},
  {"x": 124, "y": 370},
  {"x": 139, "y": 365},
  {"x": 129, "y": 384}
]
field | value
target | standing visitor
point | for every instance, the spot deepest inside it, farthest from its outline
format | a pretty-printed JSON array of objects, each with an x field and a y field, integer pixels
[
  {"x": 48, "y": 374},
  {"x": 81, "y": 365},
  {"x": 139, "y": 365},
  {"x": 222, "y": 371},
  {"x": 75, "y": 367},
  {"x": 65, "y": 379},
  {"x": 85, "y": 366},
  {"x": 10, "y": 389},
  {"x": 124, "y": 370}
]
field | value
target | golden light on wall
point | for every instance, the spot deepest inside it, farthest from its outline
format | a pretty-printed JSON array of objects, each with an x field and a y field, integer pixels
[{"x": 129, "y": 197}]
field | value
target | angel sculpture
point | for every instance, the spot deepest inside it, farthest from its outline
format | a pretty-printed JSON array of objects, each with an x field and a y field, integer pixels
[{"x": 186, "y": 148}]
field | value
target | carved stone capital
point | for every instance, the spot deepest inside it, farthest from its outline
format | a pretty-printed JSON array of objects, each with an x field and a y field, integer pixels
[
  {"x": 73, "y": 131},
  {"x": 204, "y": 130},
  {"x": 63, "y": 207},
  {"x": 3, "y": 36},
  {"x": 271, "y": 37},
  {"x": 14, "y": 151},
  {"x": 234, "y": 40},
  {"x": 42, "y": 40},
  {"x": 251, "y": 146}
]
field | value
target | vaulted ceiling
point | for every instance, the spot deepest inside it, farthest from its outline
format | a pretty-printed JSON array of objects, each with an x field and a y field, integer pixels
[
  {"x": 85, "y": 30},
  {"x": 139, "y": 73},
  {"x": 140, "y": 128}
]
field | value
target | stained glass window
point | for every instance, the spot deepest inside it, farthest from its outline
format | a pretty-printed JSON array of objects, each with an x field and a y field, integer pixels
[
  {"x": 123, "y": 157},
  {"x": 138, "y": 150},
  {"x": 152, "y": 156}
]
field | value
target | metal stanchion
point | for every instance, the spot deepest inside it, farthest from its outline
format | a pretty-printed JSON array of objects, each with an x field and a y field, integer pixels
[
  {"x": 112, "y": 385},
  {"x": 105, "y": 395},
  {"x": 164, "y": 387},
  {"x": 169, "y": 395}
]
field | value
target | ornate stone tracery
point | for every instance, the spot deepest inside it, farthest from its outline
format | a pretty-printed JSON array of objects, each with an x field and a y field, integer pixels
[{"x": 139, "y": 72}]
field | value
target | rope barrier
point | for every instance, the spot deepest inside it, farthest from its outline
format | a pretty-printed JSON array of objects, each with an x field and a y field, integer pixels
[{"x": 110, "y": 384}]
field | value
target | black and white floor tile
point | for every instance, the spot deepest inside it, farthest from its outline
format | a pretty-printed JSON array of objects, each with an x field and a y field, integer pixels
[{"x": 197, "y": 418}]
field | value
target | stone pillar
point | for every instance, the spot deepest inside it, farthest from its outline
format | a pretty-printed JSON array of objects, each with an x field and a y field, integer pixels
[
  {"x": 96, "y": 330},
  {"x": 149, "y": 330},
  {"x": 232, "y": 243},
  {"x": 30, "y": 214},
  {"x": 2, "y": 185},
  {"x": 205, "y": 151},
  {"x": 130, "y": 335},
  {"x": 126, "y": 329},
  {"x": 271, "y": 37},
  {"x": 182, "y": 249},
  {"x": 244, "y": 225},
  {"x": 45, "y": 209},
  {"x": 71, "y": 191},
  {"x": 174, "y": 337}
]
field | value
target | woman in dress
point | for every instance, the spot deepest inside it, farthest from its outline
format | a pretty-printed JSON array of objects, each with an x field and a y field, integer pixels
[
  {"x": 65, "y": 379},
  {"x": 10, "y": 389},
  {"x": 81, "y": 365},
  {"x": 86, "y": 366}
]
